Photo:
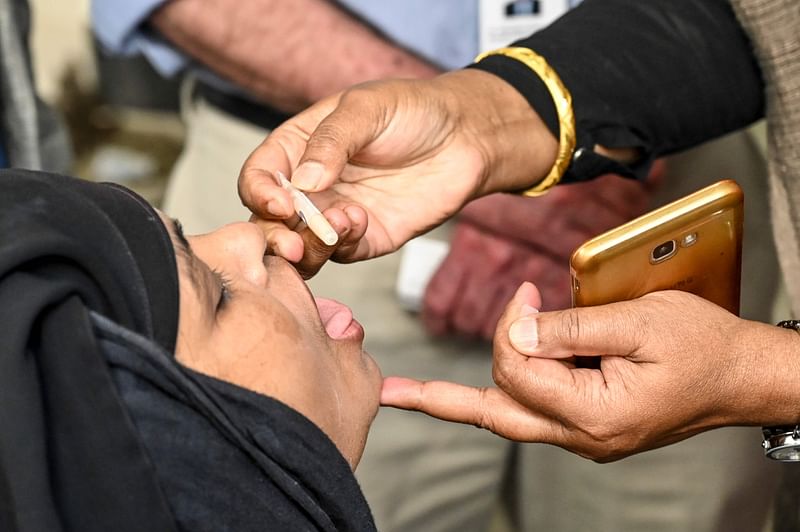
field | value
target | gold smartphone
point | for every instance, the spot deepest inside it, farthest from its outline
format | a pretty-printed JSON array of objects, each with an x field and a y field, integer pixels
[{"x": 692, "y": 244}]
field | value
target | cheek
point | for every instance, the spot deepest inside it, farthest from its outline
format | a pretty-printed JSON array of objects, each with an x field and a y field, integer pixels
[
  {"x": 266, "y": 319},
  {"x": 250, "y": 330},
  {"x": 262, "y": 345}
]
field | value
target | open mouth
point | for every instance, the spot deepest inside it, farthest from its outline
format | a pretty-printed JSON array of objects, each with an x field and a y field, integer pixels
[{"x": 338, "y": 319}]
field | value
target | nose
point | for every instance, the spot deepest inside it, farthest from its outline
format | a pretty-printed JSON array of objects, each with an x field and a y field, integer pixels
[{"x": 237, "y": 249}]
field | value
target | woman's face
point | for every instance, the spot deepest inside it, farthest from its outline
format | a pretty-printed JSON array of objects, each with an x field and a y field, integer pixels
[{"x": 249, "y": 319}]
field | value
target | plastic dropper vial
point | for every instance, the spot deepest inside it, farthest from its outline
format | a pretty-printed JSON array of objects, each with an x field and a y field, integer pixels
[{"x": 309, "y": 213}]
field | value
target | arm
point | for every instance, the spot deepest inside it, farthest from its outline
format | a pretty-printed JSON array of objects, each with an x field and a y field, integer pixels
[
  {"x": 657, "y": 76},
  {"x": 287, "y": 53},
  {"x": 647, "y": 78}
]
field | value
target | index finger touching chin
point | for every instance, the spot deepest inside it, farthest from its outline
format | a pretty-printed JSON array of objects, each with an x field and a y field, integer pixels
[{"x": 487, "y": 408}]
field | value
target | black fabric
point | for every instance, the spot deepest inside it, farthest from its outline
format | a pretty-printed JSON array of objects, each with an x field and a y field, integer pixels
[
  {"x": 247, "y": 461},
  {"x": 242, "y": 108},
  {"x": 657, "y": 75},
  {"x": 70, "y": 458},
  {"x": 102, "y": 428}
]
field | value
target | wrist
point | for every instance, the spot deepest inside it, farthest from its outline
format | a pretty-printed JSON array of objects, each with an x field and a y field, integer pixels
[
  {"x": 516, "y": 146},
  {"x": 769, "y": 393}
]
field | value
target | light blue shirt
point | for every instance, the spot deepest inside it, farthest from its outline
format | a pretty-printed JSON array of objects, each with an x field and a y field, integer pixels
[
  {"x": 443, "y": 31},
  {"x": 118, "y": 26}
]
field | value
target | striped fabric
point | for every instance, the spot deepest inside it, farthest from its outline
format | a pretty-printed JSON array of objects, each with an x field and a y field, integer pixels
[{"x": 774, "y": 28}]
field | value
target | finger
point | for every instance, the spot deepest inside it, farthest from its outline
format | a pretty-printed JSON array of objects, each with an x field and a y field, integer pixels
[
  {"x": 553, "y": 387},
  {"x": 316, "y": 252},
  {"x": 281, "y": 240},
  {"x": 281, "y": 150},
  {"x": 487, "y": 408},
  {"x": 526, "y": 299},
  {"x": 516, "y": 368},
  {"x": 613, "y": 329},
  {"x": 260, "y": 192},
  {"x": 351, "y": 126},
  {"x": 350, "y": 243},
  {"x": 281, "y": 235}
]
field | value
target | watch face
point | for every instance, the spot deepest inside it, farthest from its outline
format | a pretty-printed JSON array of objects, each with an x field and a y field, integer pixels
[
  {"x": 785, "y": 454},
  {"x": 782, "y": 446}
]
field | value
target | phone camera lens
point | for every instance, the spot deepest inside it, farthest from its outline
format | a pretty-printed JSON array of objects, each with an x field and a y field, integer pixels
[{"x": 663, "y": 251}]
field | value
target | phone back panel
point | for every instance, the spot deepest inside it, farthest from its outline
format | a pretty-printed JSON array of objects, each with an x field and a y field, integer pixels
[{"x": 618, "y": 265}]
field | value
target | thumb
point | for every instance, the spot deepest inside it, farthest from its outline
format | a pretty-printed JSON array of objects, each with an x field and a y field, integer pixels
[
  {"x": 531, "y": 351},
  {"x": 353, "y": 124},
  {"x": 613, "y": 329}
]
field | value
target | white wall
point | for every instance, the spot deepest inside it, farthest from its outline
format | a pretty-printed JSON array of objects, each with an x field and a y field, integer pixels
[{"x": 61, "y": 40}]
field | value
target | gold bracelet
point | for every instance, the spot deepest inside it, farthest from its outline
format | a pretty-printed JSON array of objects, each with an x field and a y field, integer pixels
[{"x": 562, "y": 99}]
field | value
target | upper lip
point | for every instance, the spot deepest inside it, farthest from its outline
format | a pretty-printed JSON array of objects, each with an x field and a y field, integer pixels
[{"x": 335, "y": 317}]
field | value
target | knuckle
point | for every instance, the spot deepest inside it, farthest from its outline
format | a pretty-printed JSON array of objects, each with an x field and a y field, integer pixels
[
  {"x": 502, "y": 371},
  {"x": 484, "y": 419},
  {"x": 583, "y": 443},
  {"x": 568, "y": 330},
  {"x": 326, "y": 138},
  {"x": 610, "y": 442}
]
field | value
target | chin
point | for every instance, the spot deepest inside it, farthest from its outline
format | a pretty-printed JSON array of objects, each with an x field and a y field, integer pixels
[
  {"x": 360, "y": 445},
  {"x": 375, "y": 375}
]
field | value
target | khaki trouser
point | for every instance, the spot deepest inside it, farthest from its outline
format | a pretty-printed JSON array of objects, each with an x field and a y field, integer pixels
[{"x": 420, "y": 474}]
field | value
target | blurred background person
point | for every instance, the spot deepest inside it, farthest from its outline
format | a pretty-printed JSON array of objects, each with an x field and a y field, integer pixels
[
  {"x": 247, "y": 65},
  {"x": 33, "y": 134}
]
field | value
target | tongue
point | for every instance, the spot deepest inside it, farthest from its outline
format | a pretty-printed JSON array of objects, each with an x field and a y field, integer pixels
[{"x": 335, "y": 317}]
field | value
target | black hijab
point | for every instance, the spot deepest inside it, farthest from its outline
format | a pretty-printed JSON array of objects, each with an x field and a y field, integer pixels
[{"x": 100, "y": 428}]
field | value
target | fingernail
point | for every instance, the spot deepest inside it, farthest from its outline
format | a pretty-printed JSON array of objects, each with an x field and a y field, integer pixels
[
  {"x": 527, "y": 310},
  {"x": 524, "y": 335},
  {"x": 307, "y": 176}
]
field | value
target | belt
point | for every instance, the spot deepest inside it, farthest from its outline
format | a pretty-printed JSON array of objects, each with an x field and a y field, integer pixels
[{"x": 242, "y": 108}]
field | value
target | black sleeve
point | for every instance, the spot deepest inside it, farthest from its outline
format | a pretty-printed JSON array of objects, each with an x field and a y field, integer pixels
[{"x": 657, "y": 75}]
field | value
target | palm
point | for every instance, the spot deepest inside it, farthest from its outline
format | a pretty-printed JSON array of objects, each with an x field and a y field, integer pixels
[
  {"x": 406, "y": 181},
  {"x": 410, "y": 153}
]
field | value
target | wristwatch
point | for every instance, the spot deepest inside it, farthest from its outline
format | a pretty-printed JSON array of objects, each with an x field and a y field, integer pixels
[{"x": 782, "y": 443}]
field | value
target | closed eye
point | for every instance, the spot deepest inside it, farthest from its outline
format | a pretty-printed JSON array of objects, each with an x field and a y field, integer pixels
[{"x": 225, "y": 289}]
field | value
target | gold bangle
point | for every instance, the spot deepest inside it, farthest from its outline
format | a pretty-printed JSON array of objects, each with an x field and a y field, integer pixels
[{"x": 562, "y": 99}]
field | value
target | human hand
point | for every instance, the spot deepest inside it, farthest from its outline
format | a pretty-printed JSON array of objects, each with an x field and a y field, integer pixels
[
  {"x": 411, "y": 153},
  {"x": 672, "y": 365},
  {"x": 503, "y": 239},
  {"x": 295, "y": 241}
]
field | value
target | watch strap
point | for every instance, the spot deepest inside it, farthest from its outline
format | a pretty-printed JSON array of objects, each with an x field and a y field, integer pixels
[{"x": 782, "y": 442}]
